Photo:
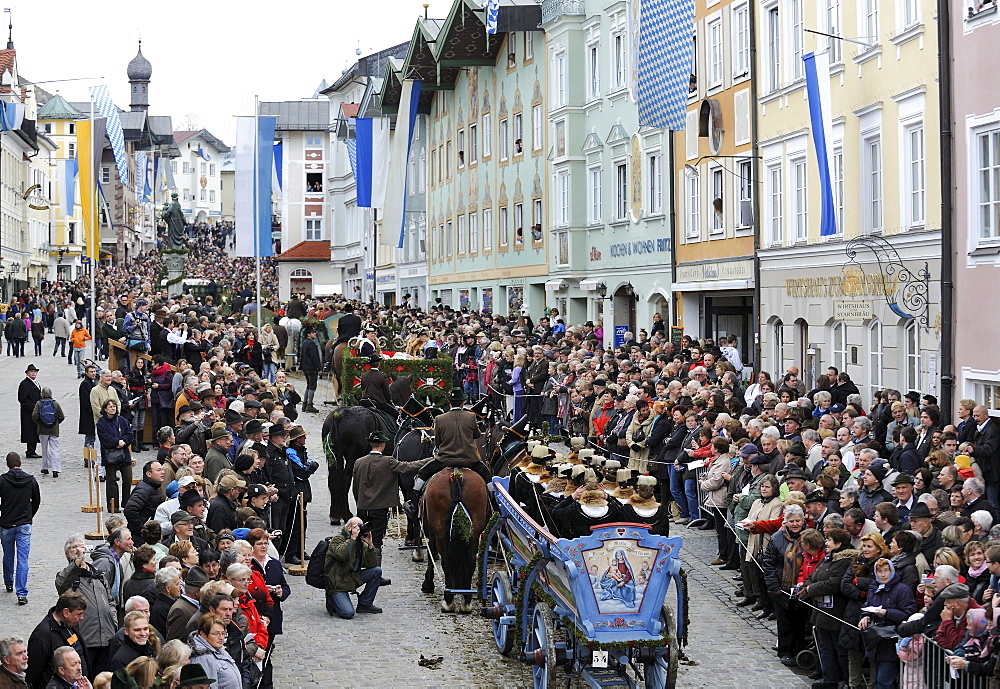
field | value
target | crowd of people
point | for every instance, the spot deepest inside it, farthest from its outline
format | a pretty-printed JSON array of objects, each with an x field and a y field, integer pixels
[{"x": 863, "y": 528}]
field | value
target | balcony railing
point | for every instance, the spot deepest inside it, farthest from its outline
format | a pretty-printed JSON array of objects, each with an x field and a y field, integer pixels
[{"x": 554, "y": 9}]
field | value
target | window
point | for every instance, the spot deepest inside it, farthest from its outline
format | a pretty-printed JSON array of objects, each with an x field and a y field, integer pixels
[
  {"x": 473, "y": 233},
  {"x": 621, "y": 191},
  {"x": 911, "y": 352},
  {"x": 504, "y": 239},
  {"x": 518, "y": 134},
  {"x": 833, "y": 27},
  {"x": 620, "y": 64},
  {"x": 411, "y": 189},
  {"x": 536, "y": 217},
  {"x": 869, "y": 19},
  {"x": 503, "y": 139},
  {"x": 562, "y": 194},
  {"x": 314, "y": 140},
  {"x": 487, "y": 136},
  {"x": 744, "y": 210},
  {"x": 774, "y": 210},
  {"x": 594, "y": 192},
  {"x": 914, "y": 175},
  {"x": 173, "y": 165},
  {"x": 874, "y": 357},
  {"x": 871, "y": 152},
  {"x": 838, "y": 330},
  {"x": 593, "y": 71},
  {"x": 186, "y": 169},
  {"x": 800, "y": 211},
  {"x": 203, "y": 169},
  {"x": 72, "y": 128},
  {"x": 692, "y": 201},
  {"x": 909, "y": 13},
  {"x": 560, "y": 69},
  {"x": 693, "y": 83},
  {"x": 987, "y": 159},
  {"x": 798, "y": 39},
  {"x": 473, "y": 144},
  {"x": 487, "y": 230},
  {"x": 529, "y": 45},
  {"x": 447, "y": 161},
  {"x": 71, "y": 233},
  {"x": 448, "y": 237},
  {"x": 186, "y": 196},
  {"x": 105, "y": 175},
  {"x": 777, "y": 345},
  {"x": 211, "y": 195},
  {"x": 422, "y": 171},
  {"x": 461, "y": 149},
  {"x": 654, "y": 182},
  {"x": 202, "y": 195},
  {"x": 537, "y": 127},
  {"x": 71, "y": 151},
  {"x": 715, "y": 53},
  {"x": 519, "y": 224},
  {"x": 314, "y": 229},
  {"x": 562, "y": 248},
  {"x": 718, "y": 224},
  {"x": 511, "y": 50},
  {"x": 774, "y": 49},
  {"x": 838, "y": 187},
  {"x": 211, "y": 170},
  {"x": 462, "y": 238},
  {"x": 741, "y": 40}
]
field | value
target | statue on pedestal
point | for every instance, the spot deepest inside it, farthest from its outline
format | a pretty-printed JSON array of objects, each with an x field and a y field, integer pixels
[{"x": 173, "y": 216}]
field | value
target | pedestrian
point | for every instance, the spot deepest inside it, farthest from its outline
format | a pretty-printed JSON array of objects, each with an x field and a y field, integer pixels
[
  {"x": 15, "y": 331},
  {"x": 28, "y": 393},
  {"x": 37, "y": 334},
  {"x": 19, "y": 501},
  {"x": 115, "y": 435},
  {"x": 48, "y": 414},
  {"x": 311, "y": 364},
  {"x": 78, "y": 341},
  {"x": 85, "y": 427},
  {"x": 62, "y": 330}
]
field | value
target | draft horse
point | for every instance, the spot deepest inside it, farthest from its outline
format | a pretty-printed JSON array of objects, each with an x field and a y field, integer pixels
[
  {"x": 454, "y": 509},
  {"x": 345, "y": 440}
]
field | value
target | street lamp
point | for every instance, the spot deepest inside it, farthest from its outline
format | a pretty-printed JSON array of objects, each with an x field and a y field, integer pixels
[{"x": 629, "y": 292}]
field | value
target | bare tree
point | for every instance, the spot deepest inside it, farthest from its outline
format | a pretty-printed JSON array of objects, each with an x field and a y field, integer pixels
[{"x": 190, "y": 123}]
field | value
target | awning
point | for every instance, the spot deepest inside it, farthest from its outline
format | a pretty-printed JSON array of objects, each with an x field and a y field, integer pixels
[
  {"x": 591, "y": 284},
  {"x": 712, "y": 286},
  {"x": 554, "y": 285}
]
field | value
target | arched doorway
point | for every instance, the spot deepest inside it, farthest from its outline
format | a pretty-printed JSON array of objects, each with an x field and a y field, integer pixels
[
  {"x": 300, "y": 281},
  {"x": 624, "y": 310}
]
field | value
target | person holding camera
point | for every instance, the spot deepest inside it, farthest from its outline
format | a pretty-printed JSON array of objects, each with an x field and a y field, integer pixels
[
  {"x": 352, "y": 560},
  {"x": 376, "y": 485}
]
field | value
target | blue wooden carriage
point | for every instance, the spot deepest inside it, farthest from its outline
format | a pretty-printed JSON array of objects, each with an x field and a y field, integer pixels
[{"x": 596, "y": 606}]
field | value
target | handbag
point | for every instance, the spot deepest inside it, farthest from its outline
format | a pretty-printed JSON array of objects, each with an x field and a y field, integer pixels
[
  {"x": 115, "y": 456},
  {"x": 135, "y": 344}
]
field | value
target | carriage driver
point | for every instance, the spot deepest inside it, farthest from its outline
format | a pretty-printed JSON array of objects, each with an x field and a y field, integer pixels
[
  {"x": 455, "y": 434},
  {"x": 375, "y": 387}
]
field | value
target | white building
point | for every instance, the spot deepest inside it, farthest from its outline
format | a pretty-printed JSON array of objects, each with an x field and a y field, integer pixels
[{"x": 198, "y": 175}]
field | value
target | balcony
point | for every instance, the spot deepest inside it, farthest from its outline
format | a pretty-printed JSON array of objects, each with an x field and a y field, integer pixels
[{"x": 555, "y": 9}]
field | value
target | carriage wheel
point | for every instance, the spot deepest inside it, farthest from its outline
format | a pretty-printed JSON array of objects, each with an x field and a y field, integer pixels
[
  {"x": 662, "y": 672},
  {"x": 500, "y": 598},
  {"x": 541, "y": 643}
]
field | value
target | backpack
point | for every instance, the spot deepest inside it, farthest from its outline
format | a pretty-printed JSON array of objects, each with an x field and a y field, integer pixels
[
  {"x": 315, "y": 573},
  {"x": 47, "y": 412}
]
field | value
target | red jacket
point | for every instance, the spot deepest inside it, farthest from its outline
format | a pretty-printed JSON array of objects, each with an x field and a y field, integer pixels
[
  {"x": 809, "y": 564},
  {"x": 949, "y": 635}
]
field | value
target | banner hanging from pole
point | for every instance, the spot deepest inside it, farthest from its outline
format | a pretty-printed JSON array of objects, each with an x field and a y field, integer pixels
[
  {"x": 666, "y": 28},
  {"x": 254, "y": 161},
  {"x": 817, "y": 68},
  {"x": 90, "y": 145},
  {"x": 116, "y": 135},
  {"x": 394, "y": 210},
  {"x": 371, "y": 163}
]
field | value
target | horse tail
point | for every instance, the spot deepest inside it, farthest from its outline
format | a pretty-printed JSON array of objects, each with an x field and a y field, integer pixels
[
  {"x": 332, "y": 439},
  {"x": 455, "y": 555}
]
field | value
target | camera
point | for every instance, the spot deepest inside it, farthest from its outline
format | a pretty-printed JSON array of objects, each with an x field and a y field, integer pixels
[{"x": 364, "y": 530}]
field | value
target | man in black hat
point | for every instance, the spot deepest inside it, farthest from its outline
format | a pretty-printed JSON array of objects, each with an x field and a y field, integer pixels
[
  {"x": 278, "y": 473},
  {"x": 922, "y": 521},
  {"x": 902, "y": 490},
  {"x": 376, "y": 485},
  {"x": 217, "y": 458},
  {"x": 193, "y": 677},
  {"x": 348, "y": 325},
  {"x": 311, "y": 364},
  {"x": 816, "y": 507},
  {"x": 28, "y": 394},
  {"x": 375, "y": 387},
  {"x": 455, "y": 434}
]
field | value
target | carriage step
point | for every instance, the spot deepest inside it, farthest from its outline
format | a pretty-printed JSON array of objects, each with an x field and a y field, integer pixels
[
  {"x": 605, "y": 677},
  {"x": 462, "y": 592}
]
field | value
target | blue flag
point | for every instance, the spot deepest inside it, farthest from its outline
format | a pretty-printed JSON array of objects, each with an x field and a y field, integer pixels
[
  {"x": 817, "y": 69},
  {"x": 665, "y": 52}
]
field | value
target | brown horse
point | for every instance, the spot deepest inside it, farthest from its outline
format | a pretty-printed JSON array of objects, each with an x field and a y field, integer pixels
[
  {"x": 455, "y": 509},
  {"x": 337, "y": 352}
]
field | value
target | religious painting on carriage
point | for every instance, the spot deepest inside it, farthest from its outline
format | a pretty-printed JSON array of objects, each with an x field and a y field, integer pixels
[{"x": 619, "y": 574}]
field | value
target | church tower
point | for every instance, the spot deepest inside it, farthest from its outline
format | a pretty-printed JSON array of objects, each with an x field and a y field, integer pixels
[{"x": 139, "y": 73}]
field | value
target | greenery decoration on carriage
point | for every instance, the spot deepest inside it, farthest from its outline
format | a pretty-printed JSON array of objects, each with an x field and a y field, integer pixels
[{"x": 432, "y": 378}]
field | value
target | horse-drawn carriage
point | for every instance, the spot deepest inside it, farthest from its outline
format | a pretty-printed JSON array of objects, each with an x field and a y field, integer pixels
[{"x": 593, "y": 606}]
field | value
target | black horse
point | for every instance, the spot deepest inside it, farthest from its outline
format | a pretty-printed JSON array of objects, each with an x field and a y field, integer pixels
[
  {"x": 510, "y": 448},
  {"x": 345, "y": 440},
  {"x": 414, "y": 441}
]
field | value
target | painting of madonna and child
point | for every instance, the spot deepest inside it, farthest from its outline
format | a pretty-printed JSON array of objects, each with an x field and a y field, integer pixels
[{"x": 619, "y": 572}]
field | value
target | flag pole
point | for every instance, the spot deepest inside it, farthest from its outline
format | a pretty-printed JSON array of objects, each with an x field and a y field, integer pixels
[
  {"x": 95, "y": 236},
  {"x": 256, "y": 201}
]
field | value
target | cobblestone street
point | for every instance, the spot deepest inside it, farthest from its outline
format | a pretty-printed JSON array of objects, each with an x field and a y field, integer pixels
[{"x": 727, "y": 648}]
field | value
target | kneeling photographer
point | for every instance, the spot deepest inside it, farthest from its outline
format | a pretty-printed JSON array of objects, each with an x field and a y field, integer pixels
[{"x": 352, "y": 560}]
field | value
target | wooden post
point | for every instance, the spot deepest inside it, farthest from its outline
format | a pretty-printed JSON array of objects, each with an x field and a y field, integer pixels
[
  {"x": 300, "y": 570},
  {"x": 100, "y": 534},
  {"x": 90, "y": 454}
]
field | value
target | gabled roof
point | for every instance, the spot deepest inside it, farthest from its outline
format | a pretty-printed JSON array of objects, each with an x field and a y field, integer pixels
[
  {"x": 57, "y": 108},
  {"x": 367, "y": 66},
  {"x": 7, "y": 58},
  {"x": 299, "y": 116},
  {"x": 392, "y": 90},
  {"x": 307, "y": 251},
  {"x": 349, "y": 109},
  {"x": 180, "y": 136},
  {"x": 463, "y": 40}
]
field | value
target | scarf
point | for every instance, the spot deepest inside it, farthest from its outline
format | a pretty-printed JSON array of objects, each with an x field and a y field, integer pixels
[{"x": 976, "y": 571}]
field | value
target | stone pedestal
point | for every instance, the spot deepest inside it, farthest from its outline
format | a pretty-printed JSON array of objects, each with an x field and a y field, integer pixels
[{"x": 175, "y": 267}]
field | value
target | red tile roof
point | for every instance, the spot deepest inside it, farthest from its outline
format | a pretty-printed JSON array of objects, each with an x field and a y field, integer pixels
[
  {"x": 7, "y": 61},
  {"x": 350, "y": 109},
  {"x": 307, "y": 251},
  {"x": 182, "y": 136}
]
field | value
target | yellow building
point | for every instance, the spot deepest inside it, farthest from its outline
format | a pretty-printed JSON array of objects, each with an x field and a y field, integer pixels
[
  {"x": 866, "y": 299},
  {"x": 57, "y": 120},
  {"x": 714, "y": 273}
]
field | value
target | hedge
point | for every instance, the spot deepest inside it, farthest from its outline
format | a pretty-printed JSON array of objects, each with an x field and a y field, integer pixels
[{"x": 431, "y": 377}]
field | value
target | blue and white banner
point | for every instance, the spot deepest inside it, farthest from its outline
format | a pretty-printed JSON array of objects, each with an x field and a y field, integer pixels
[
  {"x": 11, "y": 116},
  {"x": 67, "y": 186},
  {"x": 201, "y": 154},
  {"x": 394, "y": 211},
  {"x": 277, "y": 173},
  {"x": 817, "y": 67},
  {"x": 142, "y": 176},
  {"x": 492, "y": 12},
  {"x": 371, "y": 165},
  {"x": 352, "y": 156},
  {"x": 108, "y": 109},
  {"x": 665, "y": 50},
  {"x": 254, "y": 154}
]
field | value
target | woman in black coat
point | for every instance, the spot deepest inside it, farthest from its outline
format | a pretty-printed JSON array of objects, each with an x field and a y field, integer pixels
[
  {"x": 86, "y": 426},
  {"x": 252, "y": 354},
  {"x": 114, "y": 432}
]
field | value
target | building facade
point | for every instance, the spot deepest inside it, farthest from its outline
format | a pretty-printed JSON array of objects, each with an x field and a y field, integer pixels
[
  {"x": 198, "y": 175},
  {"x": 976, "y": 126},
  {"x": 866, "y": 299},
  {"x": 714, "y": 276}
]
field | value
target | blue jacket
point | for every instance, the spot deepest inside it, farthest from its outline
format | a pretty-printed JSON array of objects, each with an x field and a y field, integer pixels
[{"x": 899, "y": 603}]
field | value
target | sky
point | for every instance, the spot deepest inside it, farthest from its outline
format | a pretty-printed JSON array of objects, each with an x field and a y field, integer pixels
[{"x": 209, "y": 58}]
